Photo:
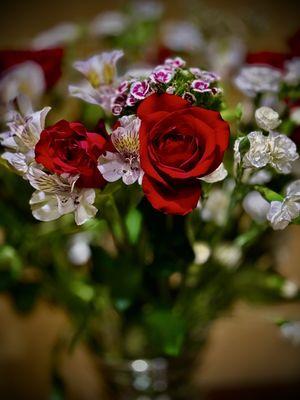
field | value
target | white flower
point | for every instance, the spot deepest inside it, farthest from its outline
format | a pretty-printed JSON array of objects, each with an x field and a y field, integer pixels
[
  {"x": 126, "y": 163},
  {"x": 109, "y": 23},
  {"x": 292, "y": 71},
  {"x": 255, "y": 79},
  {"x": 60, "y": 34},
  {"x": 281, "y": 213},
  {"x": 57, "y": 195},
  {"x": 202, "y": 252},
  {"x": 228, "y": 254},
  {"x": 101, "y": 74},
  {"x": 182, "y": 36},
  {"x": 217, "y": 175},
  {"x": 295, "y": 115},
  {"x": 216, "y": 206},
  {"x": 147, "y": 9},
  {"x": 275, "y": 149},
  {"x": 26, "y": 78},
  {"x": 24, "y": 132},
  {"x": 260, "y": 177},
  {"x": 291, "y": 331},
  {"x": 79, "y": 251},
  {"x": 289, "y": 289},
  {"x": 266, "y": 118},
  {"x": 256, "y": 206}
]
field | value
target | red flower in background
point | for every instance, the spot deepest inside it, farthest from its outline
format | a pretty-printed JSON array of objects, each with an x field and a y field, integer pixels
[
  {"x": 67, "y": 147},
  {"x": 50, "y": 60},
  {"x": 274, "y": 59},
  {"x": 179, "y": 143}
]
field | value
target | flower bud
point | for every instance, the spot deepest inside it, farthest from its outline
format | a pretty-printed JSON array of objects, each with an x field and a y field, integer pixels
[{"x": 266, "y": 118}]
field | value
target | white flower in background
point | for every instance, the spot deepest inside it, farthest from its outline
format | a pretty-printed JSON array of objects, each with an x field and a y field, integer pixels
[
  {"x": 254, "y": 79},
  {"x": 101, "y": 74},
  {"x": 295, "y": 115},
  {"x": 291, "y": 331},
  {"x": 202, "y": 252},
  {"x": 147, "y": 9},
  {"x": 24, "y": 132},
  {"x": 182, "y": 36},
  {"x": 292, "y": 71},
  {"x": 289, "y": 289},
  {"x": 57, "y": 195},
  {"x": 79, "y": 251},
  {"x": 58, "y": 35},
  {"x": 276, "y": 149},
  {"x": 109, "y": 23},
  {"x": 267, "y": 119},
  {"x": 281, "y": 213},
  {"x": 26, "y": 78},
  {"x": 226, "y": 55},
  {"x": 125, "y": 163},
  {"x": 228, "y": 254},
  {"x": 260, "y": 177},
  {"x": 256, "y": 206},
  {"x": 216, "y": 206},
  {"x": 217, "y": 175}
]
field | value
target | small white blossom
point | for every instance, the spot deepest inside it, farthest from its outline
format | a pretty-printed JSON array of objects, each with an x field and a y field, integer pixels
[
  {"x": 57, "y": 195},
  {"x": 254, "y": 79},
  {"x": 292, "y": 73},
  {"x": 260, "y": 177},
  {"x": 228, "y": 254},
  {"x": 26, "y": 78},
  {"x": 276, "y": 149},
  {"x": 202, "y": 252},
  {"x": 256, "y": 206},
  {"x": 216, "y": 206},
  {"x": 295, "y": 115},
  {"x": 289, "y": 289},
  {"x": 79, "y": 251},
  {"x": 147, "y": 9},
  {"x": 124, "y": 164},
  {"x": 182, "y": 36},
  {"x": 24, "y": 132},
  {"x": 109, "y": 23},
  {"x": 291, "y": 331},
  {"x": 58, "y": 35},
  {"x": 281, "y": 213},
  {"x": 266, "y": 118}
]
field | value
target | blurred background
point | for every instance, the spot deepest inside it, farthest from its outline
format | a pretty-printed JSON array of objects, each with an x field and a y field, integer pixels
[{"x": 247, "y": 357}]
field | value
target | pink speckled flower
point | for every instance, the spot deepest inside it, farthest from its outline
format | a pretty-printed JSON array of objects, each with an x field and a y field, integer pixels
[
  {"x": 162, "y": 75},
  {"x": 200, "y": 86},
  {"x": 140, "y": 89},
  {"x": 131, "y": 101},
  {"x": 123, "y": 87},
  {"x": 177, "y": 62}
]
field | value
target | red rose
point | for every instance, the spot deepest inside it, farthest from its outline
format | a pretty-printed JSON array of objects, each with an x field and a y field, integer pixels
[
  {"x": 274, "y": 59},
  {"x": 49, "y": 60},
  {"x": 67, "y": 147},
  {"x": 179, "y": 143}
]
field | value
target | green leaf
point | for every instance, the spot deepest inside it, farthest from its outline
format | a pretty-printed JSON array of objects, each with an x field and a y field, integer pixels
[
  {"x": 269, "y": 194},
  {"x": 166, "y": 330},
  {"x": 133, "y": 223}
]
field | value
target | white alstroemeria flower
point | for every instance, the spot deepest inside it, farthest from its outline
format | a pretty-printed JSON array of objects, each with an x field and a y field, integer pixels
[
  {"x": 292, "y": 74},
  {"x": 182, "y": 36},
  {"x": 57, "y": 195},
  {"x": 58, "y": 35},
  {"x": 126, "y": 163},
  {"x": 267, "y": 119},
  {"x": 26, "y": 78},
  {"x": 275, "y": 149},
  {"x": 216, "y": 176},
  {"x": 24, "y": 132},
  {"x": 291, "y": 331},
  {"x": 256, "y": 206},
  {"x": 281, "y": 213},
  {"x": 101, "y": 74},
  {"x": 254, "y": 79},
  {"x": 109, "y": 23}
]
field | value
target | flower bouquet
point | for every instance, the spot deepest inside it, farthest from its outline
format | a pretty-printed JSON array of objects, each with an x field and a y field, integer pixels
[{"x": 173, "y": 194}]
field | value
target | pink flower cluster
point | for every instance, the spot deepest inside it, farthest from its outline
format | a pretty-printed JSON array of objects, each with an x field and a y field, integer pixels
[{"x": 161, "y": 79}]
